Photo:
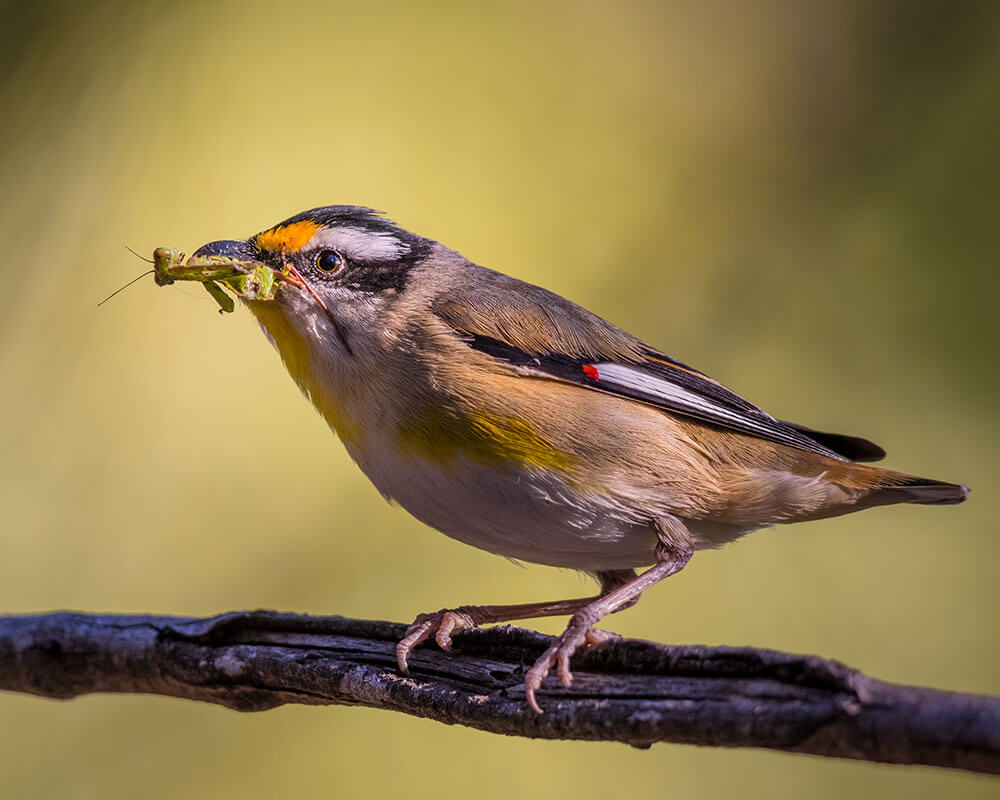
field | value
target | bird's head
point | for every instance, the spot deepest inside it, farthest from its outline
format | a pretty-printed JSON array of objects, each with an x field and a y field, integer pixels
[{"x": 340, "y": 271}]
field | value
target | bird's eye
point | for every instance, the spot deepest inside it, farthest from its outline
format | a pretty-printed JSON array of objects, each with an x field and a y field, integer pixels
[{"x": 329, "y": 261}]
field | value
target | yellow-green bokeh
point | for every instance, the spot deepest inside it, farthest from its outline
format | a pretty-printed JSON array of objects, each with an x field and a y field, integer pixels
[{"x": 798, "y": 197}]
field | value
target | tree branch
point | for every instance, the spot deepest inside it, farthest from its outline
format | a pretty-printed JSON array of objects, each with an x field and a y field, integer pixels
[{"x": 623, "y": 690}]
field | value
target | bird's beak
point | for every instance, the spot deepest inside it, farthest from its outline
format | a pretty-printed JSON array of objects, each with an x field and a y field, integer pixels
[
  {"x": 227, "y": 248},
  {"x": 243, "y": 251}
]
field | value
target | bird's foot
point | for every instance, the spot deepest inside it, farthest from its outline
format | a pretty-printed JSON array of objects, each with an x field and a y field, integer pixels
[
  {"x": 439, "y": 624},
  {"x": 580, "y": 632}
]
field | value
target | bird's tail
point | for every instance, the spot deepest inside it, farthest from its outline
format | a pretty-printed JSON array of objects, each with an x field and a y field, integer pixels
[
  {"x": 858, "y": 486},
  {"x": 924, "y": 491}
]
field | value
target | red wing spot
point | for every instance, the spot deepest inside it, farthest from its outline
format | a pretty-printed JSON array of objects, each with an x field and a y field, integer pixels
[{"x": 590, "y": 371}]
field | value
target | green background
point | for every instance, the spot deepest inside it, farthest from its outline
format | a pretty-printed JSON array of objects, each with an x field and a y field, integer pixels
[{"x": 798, "y": 198}]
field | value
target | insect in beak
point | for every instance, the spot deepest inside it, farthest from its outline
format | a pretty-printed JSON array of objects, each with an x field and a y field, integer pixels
[{"x": 233, "y": 265}]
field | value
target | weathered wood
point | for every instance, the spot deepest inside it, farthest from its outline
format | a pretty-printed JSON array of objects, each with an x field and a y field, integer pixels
[{"x": 624, "y": 690}]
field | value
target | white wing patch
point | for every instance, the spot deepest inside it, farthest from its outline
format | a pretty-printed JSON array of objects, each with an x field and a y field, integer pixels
[
  {"x": 643, "y": 385},
  {"x": 670, "y": 393}
]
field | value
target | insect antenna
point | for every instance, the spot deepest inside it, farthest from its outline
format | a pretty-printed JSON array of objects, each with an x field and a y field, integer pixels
[
  {"x": 147, "y": 272},
  {"x": 141, "y": 258}
]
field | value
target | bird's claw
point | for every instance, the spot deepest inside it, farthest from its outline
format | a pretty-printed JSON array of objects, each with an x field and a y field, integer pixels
[
  {"x": 439, "y": 624},
  {"x": 578, "y": 633},
  {"x": 442, "y": 624}
]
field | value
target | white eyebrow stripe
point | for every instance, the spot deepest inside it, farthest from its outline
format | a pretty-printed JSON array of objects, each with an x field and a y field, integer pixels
[{"x": 360, "y": 244}]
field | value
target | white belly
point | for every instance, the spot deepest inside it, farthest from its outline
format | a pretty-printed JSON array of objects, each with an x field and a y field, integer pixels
[{"x": 520, "y": 513}]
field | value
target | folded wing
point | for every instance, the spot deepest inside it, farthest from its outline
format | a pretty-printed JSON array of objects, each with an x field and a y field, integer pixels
[{"x": 546, "y": 336}]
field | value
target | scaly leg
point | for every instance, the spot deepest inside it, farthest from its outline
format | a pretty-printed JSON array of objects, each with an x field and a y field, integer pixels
[
  {"x": 441, "y": 624},
  {"x": 619, "y": 590},
  {"x": 581, "y": 625}
]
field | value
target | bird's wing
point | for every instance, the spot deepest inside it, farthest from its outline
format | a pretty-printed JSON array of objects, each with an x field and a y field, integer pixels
[{"x": 540, "y": 334}]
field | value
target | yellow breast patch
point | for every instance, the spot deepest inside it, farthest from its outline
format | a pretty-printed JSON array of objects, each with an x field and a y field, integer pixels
[
  {"x": 492, "y": 439},
  {"x": 288, "y": 237}
]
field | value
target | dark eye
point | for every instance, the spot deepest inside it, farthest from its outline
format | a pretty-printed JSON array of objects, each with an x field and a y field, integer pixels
[{"x": 329, "y": 261}]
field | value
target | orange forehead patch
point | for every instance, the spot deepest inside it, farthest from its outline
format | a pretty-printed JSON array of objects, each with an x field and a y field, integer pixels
[{"x": 288, "y": 237}]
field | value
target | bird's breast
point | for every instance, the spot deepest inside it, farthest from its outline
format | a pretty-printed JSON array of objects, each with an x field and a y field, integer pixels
[
  {"x": 503, "y": 441},
  {"x": 510, "y": 497}
]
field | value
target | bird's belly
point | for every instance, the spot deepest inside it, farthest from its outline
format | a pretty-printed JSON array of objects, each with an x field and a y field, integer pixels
[{"x": 517, "y": 512}]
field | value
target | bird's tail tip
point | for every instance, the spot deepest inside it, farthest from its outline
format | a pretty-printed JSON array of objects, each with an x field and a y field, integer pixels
[{"x": 927, "y": 492}]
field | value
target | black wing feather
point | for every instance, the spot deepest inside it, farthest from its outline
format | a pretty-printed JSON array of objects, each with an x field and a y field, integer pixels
[
  {"x": 541, "y": 334},
  {"x": 724, "y": 407},
  {"x": 854, "y": 448}
]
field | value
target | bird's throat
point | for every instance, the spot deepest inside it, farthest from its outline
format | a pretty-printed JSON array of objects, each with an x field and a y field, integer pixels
[{"x": 310, "y": 367}]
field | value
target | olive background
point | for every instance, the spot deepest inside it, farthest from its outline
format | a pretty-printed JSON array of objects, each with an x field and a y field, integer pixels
[{"x": 799, "y": 198}]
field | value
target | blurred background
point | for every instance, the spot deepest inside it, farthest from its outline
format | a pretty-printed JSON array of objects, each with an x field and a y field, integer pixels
[{"x": 799, "y": 198}]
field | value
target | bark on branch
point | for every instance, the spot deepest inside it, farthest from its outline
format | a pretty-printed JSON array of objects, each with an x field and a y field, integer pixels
[{"x": 624, "y": 690}]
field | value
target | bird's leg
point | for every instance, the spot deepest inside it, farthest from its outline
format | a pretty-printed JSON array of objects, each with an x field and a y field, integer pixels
[
  {"x": 441, "y": 624},
  {"x": 619, "y": 590},
  {"x": 672, "y": 553}
]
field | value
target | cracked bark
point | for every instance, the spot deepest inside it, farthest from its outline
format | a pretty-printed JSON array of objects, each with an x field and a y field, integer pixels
[{"x": 624, "y": 690}]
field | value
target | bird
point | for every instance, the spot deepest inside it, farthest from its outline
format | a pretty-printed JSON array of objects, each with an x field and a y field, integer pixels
[{"x": 511, "y": 419}]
